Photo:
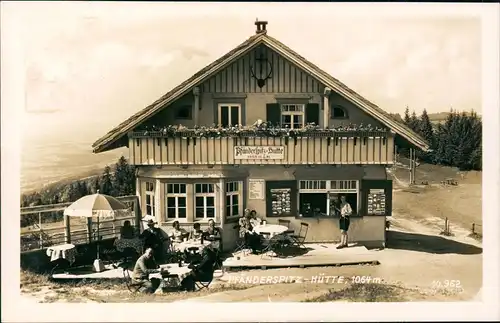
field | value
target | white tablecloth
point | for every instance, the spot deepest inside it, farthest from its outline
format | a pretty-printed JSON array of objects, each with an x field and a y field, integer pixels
[
  {"x": 134, "y": 243},
  {"x": 270, "y": 230},
  {"x": 174, "y": 269},
  {"x": 64, "y": 251},
  {"x": 181, "y": 246}
]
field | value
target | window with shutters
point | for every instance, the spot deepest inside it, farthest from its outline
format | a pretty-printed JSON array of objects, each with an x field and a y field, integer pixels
[
  {"x": 292, "y": 116},
  {"x": 229, "y": 114}
]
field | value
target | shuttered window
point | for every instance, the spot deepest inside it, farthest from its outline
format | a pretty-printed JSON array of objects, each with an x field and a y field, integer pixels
[
  {"x": 281, "y": 198},
  {"x": 377, "y": 197},
  {"x": 312, "y": 113},
  {"x": 273, "y": 113}
]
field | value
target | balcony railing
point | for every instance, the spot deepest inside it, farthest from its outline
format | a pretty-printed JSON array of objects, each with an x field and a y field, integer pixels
[
  {"x": 270, "y": 146},
  {"x": 45, "y": 225}
]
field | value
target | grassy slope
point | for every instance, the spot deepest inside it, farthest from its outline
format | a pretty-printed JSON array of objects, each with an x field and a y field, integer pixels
[{"x": 461, "y": 204}]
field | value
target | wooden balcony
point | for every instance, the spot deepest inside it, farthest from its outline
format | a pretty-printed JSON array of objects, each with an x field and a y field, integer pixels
[{"x": 353, "y": 147}]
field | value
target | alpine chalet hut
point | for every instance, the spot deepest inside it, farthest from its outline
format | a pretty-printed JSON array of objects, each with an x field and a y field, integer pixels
[{"x": 264, "y": 129}]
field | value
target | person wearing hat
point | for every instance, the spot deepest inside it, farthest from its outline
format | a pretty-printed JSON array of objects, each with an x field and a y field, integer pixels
[{"x": 153, "y": 238}]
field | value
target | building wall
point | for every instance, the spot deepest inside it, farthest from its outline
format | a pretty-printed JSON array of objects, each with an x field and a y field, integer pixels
[
  {"x": 286, "y": 77},
  {"x": 364, "y": 229},
  {"x": 235, "y": 84}
]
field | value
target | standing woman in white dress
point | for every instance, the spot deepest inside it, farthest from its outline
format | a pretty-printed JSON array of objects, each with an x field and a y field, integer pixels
[{"x": 345, "y": 213}]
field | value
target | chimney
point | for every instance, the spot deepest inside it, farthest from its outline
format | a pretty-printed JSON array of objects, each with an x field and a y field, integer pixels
[{"x": 261, "y": 26}]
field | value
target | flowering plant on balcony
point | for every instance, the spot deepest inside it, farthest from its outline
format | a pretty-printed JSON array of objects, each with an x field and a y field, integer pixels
[{"x": 263, "y": 129}]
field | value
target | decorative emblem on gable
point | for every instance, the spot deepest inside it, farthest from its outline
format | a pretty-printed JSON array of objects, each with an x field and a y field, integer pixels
[{"x": 261, "y": 70}]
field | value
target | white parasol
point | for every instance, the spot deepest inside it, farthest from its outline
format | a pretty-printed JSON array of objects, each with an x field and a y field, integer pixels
[{"x": 98, "y": 207}]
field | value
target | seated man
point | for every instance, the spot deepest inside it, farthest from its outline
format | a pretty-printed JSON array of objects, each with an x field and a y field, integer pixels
[
  {"x": 252, "y": 239},
  {"x": 144, "y": 266},
  {"x": 202, "y": 271},
  {"x": 213, "y": 233},
  {"x": 127, "y": 231},
  {"x": 196, "y": 233}
]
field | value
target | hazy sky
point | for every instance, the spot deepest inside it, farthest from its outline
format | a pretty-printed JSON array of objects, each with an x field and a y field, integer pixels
[{"x": 98, "y": 63}]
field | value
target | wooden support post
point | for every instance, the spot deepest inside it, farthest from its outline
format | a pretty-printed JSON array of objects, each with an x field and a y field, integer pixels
[
  {"x": 411, "y": 165},
  {"x": 196, "y": 106},
  {"x": 326, "y": 107},
  {"x": 473, "y": 228},
  {"x": 137, "y": 214},
  {"x": 67, "y": 229}
]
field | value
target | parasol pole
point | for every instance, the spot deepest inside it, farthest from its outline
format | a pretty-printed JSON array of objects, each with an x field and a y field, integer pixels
[{"x": 98, "y": 237}]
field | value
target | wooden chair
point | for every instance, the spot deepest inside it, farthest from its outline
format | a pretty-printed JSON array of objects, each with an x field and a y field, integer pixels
[
  {"x": 240, "y": 242},
  {"x": 298, "y": 239},
  {"x": 203, "y": 273},
  {"x": 287, "y": 224},
  {"x": 276, "y": 244},
  {"x": 132, "y": 286}
]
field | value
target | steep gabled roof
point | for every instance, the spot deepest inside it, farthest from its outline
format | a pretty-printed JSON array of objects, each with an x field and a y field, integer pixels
[{"x": 204, "y": 74}]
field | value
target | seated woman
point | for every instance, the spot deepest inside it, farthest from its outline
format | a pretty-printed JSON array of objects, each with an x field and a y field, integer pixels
[
  {"x": 127, "y": 231},
  {"x": 196, "y": 233},
  {"x": 254, "y": 219},
  {"x": 252, "y": 239},
  {"x": 177, "y": 234}
]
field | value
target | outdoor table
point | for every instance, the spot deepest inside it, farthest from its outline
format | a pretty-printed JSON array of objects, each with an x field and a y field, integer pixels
[
  {"x": 134, "y": 243},
  {"x": 185, "y": 245},
  {"x": 270, "y": 230},
  {"x": 64, "y": 251},
  {"x": 173, "y": 269}
]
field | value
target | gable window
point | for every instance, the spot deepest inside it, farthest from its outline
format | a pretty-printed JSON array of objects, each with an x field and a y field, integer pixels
[
  {"x": 176, "y": 199},
  {"x": 183, "y": 112},
  {"x": 292, "y": 116},
  {"x": 338, "y": 112},
  {"x": 150, "y": 199},
  {"x": 204, "y": 195},
  {"x": 229, "y": 114}
]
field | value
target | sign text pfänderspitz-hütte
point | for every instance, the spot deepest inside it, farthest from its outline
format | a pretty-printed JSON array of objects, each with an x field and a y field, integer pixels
[{"x": 259, "y": 152}]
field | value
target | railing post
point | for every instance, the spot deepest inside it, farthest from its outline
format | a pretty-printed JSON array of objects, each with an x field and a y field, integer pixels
[
  {"x": 473, "y": 228},
  {"x": 40, "y": 232},
  {"x": 89, "y": 230},
  {"x": 67, "y": 229}
]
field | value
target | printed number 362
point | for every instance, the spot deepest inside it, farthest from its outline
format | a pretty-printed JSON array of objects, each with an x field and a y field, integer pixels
[{"x": 446, "y": 284}]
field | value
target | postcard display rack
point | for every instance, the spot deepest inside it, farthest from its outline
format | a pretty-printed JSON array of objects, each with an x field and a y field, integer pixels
[
  {"x": 281, "y": 201},
  {"x": 376, "y": 202}
]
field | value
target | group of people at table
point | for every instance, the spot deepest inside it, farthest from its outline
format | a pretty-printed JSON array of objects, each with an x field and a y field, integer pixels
[{"x": 154, "y": 240}]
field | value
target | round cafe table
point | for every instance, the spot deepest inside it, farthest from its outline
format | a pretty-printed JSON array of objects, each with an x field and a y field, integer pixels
[
  {"x": 64, "y": 251},
  {"x": 270, "y": 229}
]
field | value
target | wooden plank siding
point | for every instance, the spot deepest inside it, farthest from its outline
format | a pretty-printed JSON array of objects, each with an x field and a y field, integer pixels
[
  {"x": 286, "y": 77},
  {"x": 302, "y": 150}
]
